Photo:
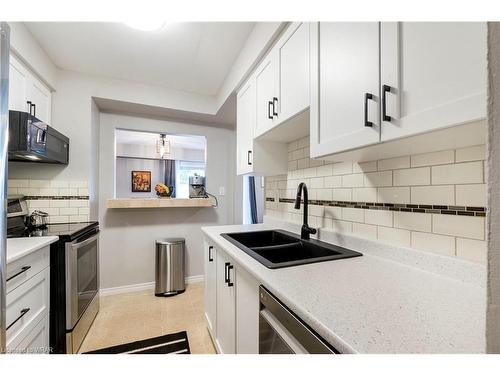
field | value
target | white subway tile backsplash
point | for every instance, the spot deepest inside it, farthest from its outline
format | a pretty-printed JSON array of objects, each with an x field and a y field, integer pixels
[
  {"x": 473, "y": 250},
  {"x": 369, "y": 166},
  {"x": 398, "y": 237},
  {"x": 394, "y": 163},
  {"x": 433, "y": 158},
  {"x": 39, "y": 183},
  {"x": 438, "y": 195},
  {"x": 443, "y": 178},
  {"x": 78, "y": 184},
  {"x": 317, "y": 183},
  {"x": 379, "y": 217},
  {"x": 470, "y": 153},
  {"x": 324, "y": 170},
  {"x": 341, "y": 194},
  {"x": 18, "y": 183},
  {"x": 59, "y": 219},
  {"x": 413, "y": 176},
  {"x": 353, "y": 214},
  {"x": 333, "y": 181},
  {"x": 68, "y": 211},
  {"x": 324, "y": 194},
  {"x": 364, "y": 194},
  {"x": 79, "y": 203},
  {"x": 462, "y": 173},
  {"x": 460, "y": 226},
  {"x": 48, "y": 191},
  {"x": 436, "y": 243},
  {"x": 394, "y": 195},
  {"x": 471, "y": 195},
  {"x": 59, "y": 184},
  {"x": 352, "y": 180},
  {"x": 365, "y": 230},
  {"x": 376, "y": 179},
  {"x": 68, "y": 192},
  {"x": 341, "y": 226},
  {"x": 344, "y": 167},
  {"x": 413, "y": 221}
]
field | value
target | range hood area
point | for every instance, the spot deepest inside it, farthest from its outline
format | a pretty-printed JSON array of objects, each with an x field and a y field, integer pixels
[{"x": 32, "y": 140}]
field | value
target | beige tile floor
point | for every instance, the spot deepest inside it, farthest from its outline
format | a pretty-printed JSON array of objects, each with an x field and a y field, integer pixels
[{"x": 140, "y": 315}]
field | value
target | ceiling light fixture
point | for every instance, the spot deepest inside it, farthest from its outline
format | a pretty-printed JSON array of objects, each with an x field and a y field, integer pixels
[
  {"x": 146, "y": 24},
  {"x": 162, "y": 146}
]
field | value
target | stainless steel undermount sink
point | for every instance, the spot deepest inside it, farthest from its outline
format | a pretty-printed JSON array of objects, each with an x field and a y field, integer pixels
[{"x": 279, "y": 248}]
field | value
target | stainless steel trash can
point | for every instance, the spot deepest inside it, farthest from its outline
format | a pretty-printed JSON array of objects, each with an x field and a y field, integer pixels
[{"x": 169, "y": 267}]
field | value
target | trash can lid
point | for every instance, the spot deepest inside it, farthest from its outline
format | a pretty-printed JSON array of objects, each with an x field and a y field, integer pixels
[{"x": 171, "y": 241}]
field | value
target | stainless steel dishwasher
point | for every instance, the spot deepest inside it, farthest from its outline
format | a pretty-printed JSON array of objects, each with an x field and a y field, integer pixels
[{"x": 282, "y": 332}]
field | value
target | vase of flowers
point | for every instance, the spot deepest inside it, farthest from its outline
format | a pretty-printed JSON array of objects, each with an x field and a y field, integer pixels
[{"x": 164, "y": 191}]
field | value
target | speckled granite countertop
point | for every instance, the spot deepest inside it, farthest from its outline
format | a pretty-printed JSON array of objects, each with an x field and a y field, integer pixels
[{"x": 398, "y": 301}]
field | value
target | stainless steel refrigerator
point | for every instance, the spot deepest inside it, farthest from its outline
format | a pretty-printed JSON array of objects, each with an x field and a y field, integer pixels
[{"x": 4, "y": 123}]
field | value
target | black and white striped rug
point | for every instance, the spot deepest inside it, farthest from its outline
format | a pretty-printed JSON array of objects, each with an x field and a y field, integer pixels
[{"x": 174, "y": 343}]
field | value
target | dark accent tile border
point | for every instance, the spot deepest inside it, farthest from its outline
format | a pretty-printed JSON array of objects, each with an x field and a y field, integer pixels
[
  {"x": 420, "y": 208},
  {"x": 56, "y": 197}
]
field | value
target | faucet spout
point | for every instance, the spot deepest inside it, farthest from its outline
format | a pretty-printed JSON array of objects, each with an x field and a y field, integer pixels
[{"x": 306, "y": 230}]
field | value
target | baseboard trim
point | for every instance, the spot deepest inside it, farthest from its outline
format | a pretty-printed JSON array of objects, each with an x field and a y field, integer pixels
[{"x": 143, "y": 286}]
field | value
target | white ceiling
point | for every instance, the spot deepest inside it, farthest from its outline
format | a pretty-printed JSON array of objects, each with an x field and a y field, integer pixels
[
  {"x": 192, "y": 56},
  {"x": 149, "y": 139}
]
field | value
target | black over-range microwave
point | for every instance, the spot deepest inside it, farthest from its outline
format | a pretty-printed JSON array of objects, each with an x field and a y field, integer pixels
[{"x": 32, "y": 140}]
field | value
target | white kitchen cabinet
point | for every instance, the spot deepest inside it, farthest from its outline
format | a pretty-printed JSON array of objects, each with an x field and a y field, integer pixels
[
  {"x": 419, "y": 77},
  {"x": 36, "y": 341},
  {"x": 226, "y": 310},
  {"x": 261, "y": 157},
  {"x": 210, "y": 287},
  {"x": 247, "y": 312},
  {"x": 436, "y": 74},
  {"x": 245, "y": 119},
  {"x": 25, "y": 87},
  {"x": 344, "y": 88},
  {"x": 266, "y": 86},
  {"x": 293, "y": 56}
]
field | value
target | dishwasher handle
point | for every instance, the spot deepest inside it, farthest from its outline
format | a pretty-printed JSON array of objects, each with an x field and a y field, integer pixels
[{"x": 270, "y": 306}]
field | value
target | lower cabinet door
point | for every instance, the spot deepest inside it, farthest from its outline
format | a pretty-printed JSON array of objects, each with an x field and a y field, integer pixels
[
  {"x": 226, "y": 313},
  {"x": 37, "y": 341},
  {"x": 247, "y": 313},
  {"x": 210, "y": 287}
]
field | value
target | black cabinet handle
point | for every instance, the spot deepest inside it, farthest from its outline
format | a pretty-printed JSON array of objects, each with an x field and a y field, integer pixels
[
  {"x": 210, "y": 257},
  {"x": 29, "y": 106},
  {"x": 385, "y": 90},
  {"x": 248, "y": 157},
  {"x": 275, "y": 104},
  {"x": 368, "y": 96},
  {"x": 229, "y": 268},
  {"x": 269, "y": 113},
  {"x": 21, "y": 271},
  {"x": 23, "y": 312},
  {"x": 34, "y": 109},
  {"x": 226, "y": 272}
]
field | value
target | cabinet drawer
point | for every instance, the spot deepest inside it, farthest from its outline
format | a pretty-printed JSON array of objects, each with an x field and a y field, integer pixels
[
  {"x": 26, "y": 306},
  {"x": 36, "y": 341},
  {"x": 26, "y": 267}
]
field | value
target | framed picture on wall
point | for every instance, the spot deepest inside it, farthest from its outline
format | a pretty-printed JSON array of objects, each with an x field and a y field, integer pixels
[{"x": 141, "y": 181}]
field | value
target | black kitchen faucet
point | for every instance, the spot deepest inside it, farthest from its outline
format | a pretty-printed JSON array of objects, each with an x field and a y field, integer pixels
[{"x": 306, "y": 229}]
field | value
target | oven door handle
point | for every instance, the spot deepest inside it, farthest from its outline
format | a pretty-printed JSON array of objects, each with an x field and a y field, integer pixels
[{"x": 77, "y": 245}]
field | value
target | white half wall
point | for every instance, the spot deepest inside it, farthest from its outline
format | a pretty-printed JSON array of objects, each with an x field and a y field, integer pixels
[{"x": 127, "y": 242}]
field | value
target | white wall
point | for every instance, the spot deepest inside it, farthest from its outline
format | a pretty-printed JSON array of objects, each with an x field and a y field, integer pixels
[{"x": 128, "y": 236}]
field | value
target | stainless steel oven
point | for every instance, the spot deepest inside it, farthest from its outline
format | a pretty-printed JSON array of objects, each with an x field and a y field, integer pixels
[
  {"x": 82, "y": 287},
  {"x": 282, "y": 332}
]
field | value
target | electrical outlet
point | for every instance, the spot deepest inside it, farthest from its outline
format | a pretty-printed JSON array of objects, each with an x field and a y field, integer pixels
[{"x": 222, "y": 191}]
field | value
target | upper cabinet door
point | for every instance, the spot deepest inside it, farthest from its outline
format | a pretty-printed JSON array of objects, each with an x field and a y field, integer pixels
[
  {"x": 434, "y": 75},
  {"x": 245, "y": 122},
  {"x": 293, "y": 54},
  {"x": 266, "y": 79},
  {"x": 18, "y": 86},
  {"x": 345, "y": 87},
  {"x": 40, "y": 96}
]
